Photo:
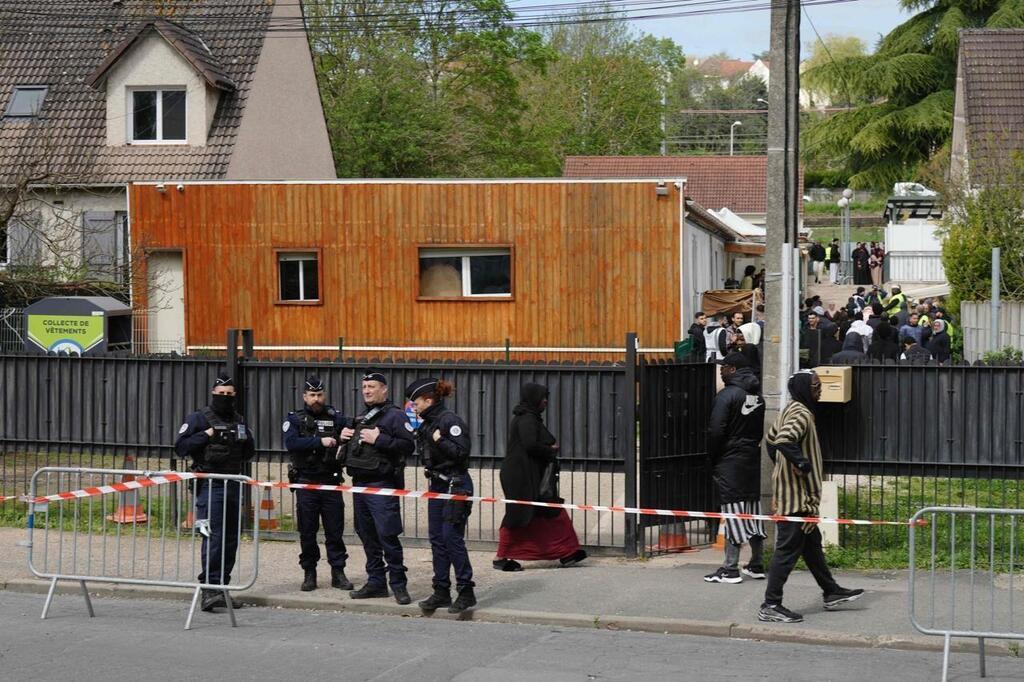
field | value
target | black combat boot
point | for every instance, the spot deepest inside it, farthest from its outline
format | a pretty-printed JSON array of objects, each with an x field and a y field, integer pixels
[
  {"x": 465, "y": 600},
  {"x": 309, "y": 582},
  {"x": 401, "y": 594},
  {"x": 339, "y": 580},
  {"x": 441, "y": 597},
  {"x": 369, "y": 591}
]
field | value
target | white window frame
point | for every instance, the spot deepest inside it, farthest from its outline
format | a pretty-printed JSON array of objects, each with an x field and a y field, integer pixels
[
  {"x": 159, "y": 90},
  {"x": 465, "y": 254},
  {"x": 292, "y": 256}
]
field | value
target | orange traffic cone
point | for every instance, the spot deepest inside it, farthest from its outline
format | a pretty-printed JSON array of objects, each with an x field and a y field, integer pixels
[
  {"x": 673, "y": 539},
  {"x": 129, "y": 510},
  {"x": 268, "y": 516},
  {"x": 720, "y": 538}
]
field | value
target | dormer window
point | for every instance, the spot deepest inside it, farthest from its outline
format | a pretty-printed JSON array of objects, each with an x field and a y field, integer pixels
[{"x": 157, "y": 116}]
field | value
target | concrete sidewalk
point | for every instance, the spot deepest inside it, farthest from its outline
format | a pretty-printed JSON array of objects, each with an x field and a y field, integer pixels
[{"x": 663, "y": 594}]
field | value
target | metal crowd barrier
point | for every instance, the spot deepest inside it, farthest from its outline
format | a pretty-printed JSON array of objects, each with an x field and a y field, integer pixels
[
  {"x": 149, "y": 536},
  {"x": 964, "y": 575}
]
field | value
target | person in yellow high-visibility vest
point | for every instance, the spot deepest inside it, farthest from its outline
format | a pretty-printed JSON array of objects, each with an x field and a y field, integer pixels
[{"x": 895, "y": 301}]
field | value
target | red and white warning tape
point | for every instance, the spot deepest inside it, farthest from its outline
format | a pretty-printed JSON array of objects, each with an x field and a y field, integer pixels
[{"x": 162, "y": 479}]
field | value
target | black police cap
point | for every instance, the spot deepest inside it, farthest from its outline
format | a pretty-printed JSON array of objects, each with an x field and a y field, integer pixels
[
  {"x": 420, "y": 387},
  {"x": 223, "y": 380},
  {"x": 374, "y": 375},
  {"x": 314, "y": 384}
]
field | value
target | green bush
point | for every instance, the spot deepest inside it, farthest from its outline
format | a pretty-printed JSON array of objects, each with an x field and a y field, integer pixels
[{"x": 1008, "y": 356}]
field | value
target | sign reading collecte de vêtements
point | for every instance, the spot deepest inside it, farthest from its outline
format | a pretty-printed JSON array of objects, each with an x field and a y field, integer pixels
[{"x": 75, "y": 334}]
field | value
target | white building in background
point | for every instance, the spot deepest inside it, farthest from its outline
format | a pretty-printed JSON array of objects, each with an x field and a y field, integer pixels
[{"x": 913, "y": 246}]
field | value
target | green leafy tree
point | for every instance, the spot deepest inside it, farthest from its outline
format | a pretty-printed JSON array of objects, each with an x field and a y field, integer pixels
[
  {"x": 603, "y": 94},
  {"x": 422, "y": 87},
  {"x": 985, "y": 213},
  {"x": 696, "y": 133},
  {"x": 903, "y": 92}
]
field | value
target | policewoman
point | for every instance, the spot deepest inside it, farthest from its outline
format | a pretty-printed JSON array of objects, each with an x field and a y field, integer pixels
[
  {"x": 376, "y": 447},
  {"x": 217, "y": 441},
  {"x": 311, "y": 438},
  {"x": 443, "y": 444}
]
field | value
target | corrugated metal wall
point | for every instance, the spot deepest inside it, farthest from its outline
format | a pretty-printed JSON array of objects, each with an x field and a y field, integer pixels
[{"x": 976, "y": 323}]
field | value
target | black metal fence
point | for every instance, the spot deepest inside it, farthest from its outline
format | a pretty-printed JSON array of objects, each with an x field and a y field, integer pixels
[
  {"x": 920, "y": 435},
  {"x": 95, "y": 411}
]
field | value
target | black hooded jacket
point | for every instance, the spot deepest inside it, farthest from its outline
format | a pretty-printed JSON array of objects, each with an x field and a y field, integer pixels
[
  {"x": 699, "y": 348},
  {"x": 939, "y": 345},
  {"x": 852, "y": 352},
  {"x": 883, "y": 345},
  {"x": 734, "y": 437},
  {"x": 528, "y": 452}
]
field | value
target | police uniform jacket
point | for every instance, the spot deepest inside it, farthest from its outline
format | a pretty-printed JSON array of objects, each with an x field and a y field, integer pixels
[
  {"x": 225, "y": 452},
  {"x": 394, "y": 444},
  {"x": 450, "y": 454},
  {"x": 303, "y": 431}
]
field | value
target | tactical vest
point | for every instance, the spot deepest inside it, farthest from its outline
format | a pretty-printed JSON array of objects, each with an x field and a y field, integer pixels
[
  {"x": 431, "y": 456},
  {"x": 223, "y": 454},
  {"x": 364, "y": 457},
  {"x": 317, "y": 460}
]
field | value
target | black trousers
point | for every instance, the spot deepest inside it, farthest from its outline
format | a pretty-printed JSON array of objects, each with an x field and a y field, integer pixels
[
  {"x": 310, "y": 507},
  {"x": 791, "y": 543}
]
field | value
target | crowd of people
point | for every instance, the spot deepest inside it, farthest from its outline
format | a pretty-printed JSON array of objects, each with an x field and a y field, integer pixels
[
  {"x": 875, "y": 325},
  {"x": 868, "y": 261}
]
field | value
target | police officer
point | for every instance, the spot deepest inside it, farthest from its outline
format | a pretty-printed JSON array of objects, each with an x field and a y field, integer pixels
[
  {"x": 376, "y": 446},
  {"x": 311, "y": 436},
  {"x": 442, "y": 441},
  {"x": 218, "y": 441}
]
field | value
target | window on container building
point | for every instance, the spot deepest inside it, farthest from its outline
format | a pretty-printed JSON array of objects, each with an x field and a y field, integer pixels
[
  {"x": 298, "y": 274},
  {"x": 464, "y": 272}
]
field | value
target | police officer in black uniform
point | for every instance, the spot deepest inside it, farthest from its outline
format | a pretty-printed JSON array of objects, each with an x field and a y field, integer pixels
[
  {"x": 311, "y": 436},
  {"x": 376, "y": 447},
  {"x": 218, "y": 441},
  {"x": 442, "y": 441}
]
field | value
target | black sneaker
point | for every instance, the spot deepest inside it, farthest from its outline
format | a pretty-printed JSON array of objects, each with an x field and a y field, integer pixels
[
  {"x": 465, "y": 600},
  {"x": 441, "y": 597},
  {"x": 724, "y": 575},
  {"x": 752, "y": 571},
  {"x": 777, "y": 613},
  {"x": 842, "y": 596},
  {"x": 401, "y": 594},
  {"x": 507, "y": 565},
  {"x": 369, "y": 591},
  {"x": 338, "y": 579}
]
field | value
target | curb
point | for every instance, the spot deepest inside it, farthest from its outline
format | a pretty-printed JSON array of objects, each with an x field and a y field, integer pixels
[{"x": 674, "y": 626}]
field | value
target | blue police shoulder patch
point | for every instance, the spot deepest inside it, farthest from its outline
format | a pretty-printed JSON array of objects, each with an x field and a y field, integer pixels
[
  {"x": 287, "y": 425},
  {"x": 408, "y": 427}
]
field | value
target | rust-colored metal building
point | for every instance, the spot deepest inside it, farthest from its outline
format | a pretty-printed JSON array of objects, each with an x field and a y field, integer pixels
[{"x": 545, "y": 264}]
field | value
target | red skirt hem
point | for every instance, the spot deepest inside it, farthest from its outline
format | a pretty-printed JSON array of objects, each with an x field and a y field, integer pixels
[{"x": 541, "y": 540}]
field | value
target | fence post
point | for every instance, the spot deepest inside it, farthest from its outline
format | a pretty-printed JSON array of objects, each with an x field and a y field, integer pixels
[
  {"x": 630, "y": 441},
  {"x": 993, "y": 344}
]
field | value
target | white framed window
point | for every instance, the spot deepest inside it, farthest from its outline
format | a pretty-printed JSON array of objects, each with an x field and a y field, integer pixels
[
  {"x": 465, "y": 272},
  {"x": 157, "y": 116},
  {"x": 298, "y": 276},
  {"x": 26, "y": 101}
]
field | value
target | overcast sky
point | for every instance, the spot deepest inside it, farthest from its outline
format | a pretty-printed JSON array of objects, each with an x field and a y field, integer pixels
[{"x": 743, "y": 34}]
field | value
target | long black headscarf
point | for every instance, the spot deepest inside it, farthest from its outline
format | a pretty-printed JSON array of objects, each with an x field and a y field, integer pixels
[
  {"x": 530, "y": 398},
  {"x": 800, "y": 388}
]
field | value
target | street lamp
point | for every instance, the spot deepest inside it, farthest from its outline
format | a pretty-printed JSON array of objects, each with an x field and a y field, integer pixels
[
  {"x": 762, "y": 100},
  {"x": 844, "y": 204},
  {"x": 732, "y": 133}
]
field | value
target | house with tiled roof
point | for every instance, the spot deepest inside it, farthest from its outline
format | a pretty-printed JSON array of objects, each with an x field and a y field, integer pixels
[
  {"x": 988, "y": 114},
  {"x": 97, "y": 94},
  {"x": 739, "y": 183}
]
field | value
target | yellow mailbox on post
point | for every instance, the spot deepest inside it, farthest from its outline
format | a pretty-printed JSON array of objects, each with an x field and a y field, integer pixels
[{"x": 836, "y": 384}]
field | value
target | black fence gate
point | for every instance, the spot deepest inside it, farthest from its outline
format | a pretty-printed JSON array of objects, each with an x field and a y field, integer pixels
[{"x": 675, "y": 404}]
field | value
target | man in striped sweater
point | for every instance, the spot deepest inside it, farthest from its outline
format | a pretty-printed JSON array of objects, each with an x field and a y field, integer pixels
[{"x": 796, "y": 480}]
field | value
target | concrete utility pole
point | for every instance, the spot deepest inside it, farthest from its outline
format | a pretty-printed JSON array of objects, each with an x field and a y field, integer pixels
[{"x": 781, "y": 242}]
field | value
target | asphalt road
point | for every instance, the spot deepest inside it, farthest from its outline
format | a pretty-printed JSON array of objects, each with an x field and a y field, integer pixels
[{"x": 138, "y": 639}]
